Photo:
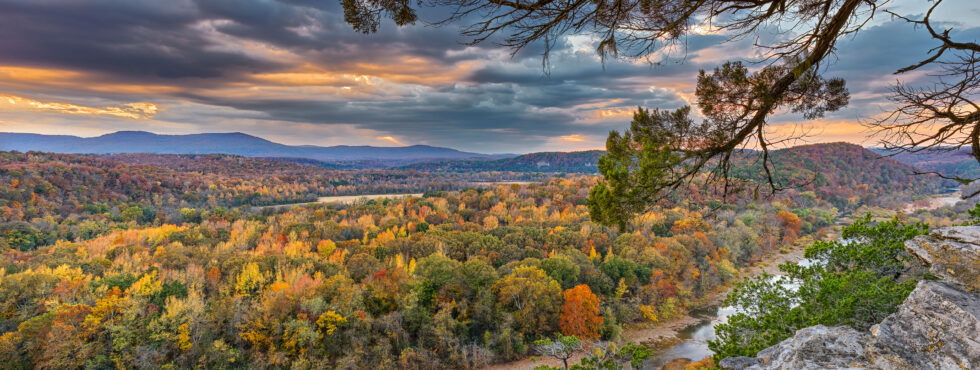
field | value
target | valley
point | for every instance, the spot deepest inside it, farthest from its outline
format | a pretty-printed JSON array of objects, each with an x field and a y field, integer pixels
[{"x": 464, "y": 268}]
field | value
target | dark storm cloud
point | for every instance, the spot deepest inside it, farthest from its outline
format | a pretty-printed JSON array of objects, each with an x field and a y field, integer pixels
[
  {"x": 442, "y": 115},
  {"x": 212, "y": 50},
  {"x": 128, "y": 39},
  {"x": 164, "y": 39}
]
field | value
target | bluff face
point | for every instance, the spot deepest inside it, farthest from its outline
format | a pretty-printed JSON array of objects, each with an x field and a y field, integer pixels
[{"x": 937, "y": 327}]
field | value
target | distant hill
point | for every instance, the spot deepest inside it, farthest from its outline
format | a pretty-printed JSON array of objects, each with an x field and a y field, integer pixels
[
  {"x": 841, "y": 173},
  {"x": 225, "y": 143},
  {"x": 844, "y": 173},
  {"x": 563, "y": 162},
  {"x": 959, "y": 162},
  {"x": 843, "y": 164}
]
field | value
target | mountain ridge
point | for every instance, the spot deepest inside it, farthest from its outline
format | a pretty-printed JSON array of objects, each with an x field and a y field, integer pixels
[{"x": 236, "y": 143}]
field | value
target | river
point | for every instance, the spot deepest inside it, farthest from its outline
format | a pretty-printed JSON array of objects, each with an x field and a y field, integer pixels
[
  {"x": 347, "y": 199},
  {"x": 694, "y": 339}
]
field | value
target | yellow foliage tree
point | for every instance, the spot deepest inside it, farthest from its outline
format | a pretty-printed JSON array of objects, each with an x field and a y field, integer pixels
[{"x": 250, "y": 280}]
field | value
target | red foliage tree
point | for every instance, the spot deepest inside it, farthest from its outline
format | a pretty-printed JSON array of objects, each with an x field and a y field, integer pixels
[{"x": 580, "y": 313}]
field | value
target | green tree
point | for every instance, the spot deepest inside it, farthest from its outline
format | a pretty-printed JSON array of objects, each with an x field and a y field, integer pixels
[
  {"x": 133, "y": 213},
  {"x": 435, "y": 273},
  {"x": 19, "y": 235},
  {"x": 563, "y": 270},
  {"x": 619, "y": 268},
  {"x": 857, "y": 281},
  {"x": 562, "y": 347},
  {"x": 533, "y": 298}
]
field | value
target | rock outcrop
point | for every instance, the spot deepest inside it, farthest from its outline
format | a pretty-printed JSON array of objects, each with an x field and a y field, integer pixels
[
  {"x": 838, "y": 347},
  {"x": 936, "y": 327},
  {"x": 951, "y": 253}
]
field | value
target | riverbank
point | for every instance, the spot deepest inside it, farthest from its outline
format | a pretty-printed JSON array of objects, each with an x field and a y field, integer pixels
[
  {"x": 938, "y": 201},
  {"x": 664, "y": 334},
  {"x": 668, "y": 332}
]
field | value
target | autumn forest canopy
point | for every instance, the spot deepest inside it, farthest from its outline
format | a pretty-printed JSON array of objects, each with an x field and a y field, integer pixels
[{"x": 179, "y": 260}]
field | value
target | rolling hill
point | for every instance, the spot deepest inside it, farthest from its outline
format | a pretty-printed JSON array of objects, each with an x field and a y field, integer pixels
[
  {"x": 841, "y": 173},
  {"x": 959, "y": 163},
  {"x": 557, "y": 162},
  {"x": 224, "y": 143},
  {"x": 844, "y": 174}
]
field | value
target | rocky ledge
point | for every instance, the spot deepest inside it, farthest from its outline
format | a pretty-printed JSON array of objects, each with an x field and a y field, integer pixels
[
  {"x": 951, "y": 253},
  {"x": 936, "y": 327}
]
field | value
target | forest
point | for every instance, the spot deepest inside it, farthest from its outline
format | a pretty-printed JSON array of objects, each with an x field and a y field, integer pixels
[{"x": 147, "y": 261}]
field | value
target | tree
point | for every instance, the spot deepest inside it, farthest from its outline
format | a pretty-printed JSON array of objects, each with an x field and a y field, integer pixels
[
  {"x": 664, "y": 150},
  {"x": 250, "y": 280},
  {"x": 19, "y": 235},
  {"x": 362, "y": 265},
  {"x": 855, "y": 282},
  {"x": 619, "y": 268},
  {"x": 945, "y": 116},
  {"x": 563, "y": 270},
  {"x": 435, "y": 273},
  {"x": 613, "y": 357},
  {"x": 532, "y": 297},
  {"x": 562, "y": 347},
  {"x": 580, "y": 313},
  {"x": 791, "y": 224},
  {"x": 133, "y": 213}
]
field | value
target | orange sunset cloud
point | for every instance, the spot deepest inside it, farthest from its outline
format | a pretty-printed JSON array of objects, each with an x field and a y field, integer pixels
[
  {"x": 139, "y": 110},
  {"x": 390, "y": 139}
]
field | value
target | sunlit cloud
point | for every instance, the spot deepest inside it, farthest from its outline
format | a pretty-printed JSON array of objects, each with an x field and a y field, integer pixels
[
  {"x": 15, "y": 78},
  {"x": 820, "y": 131},
  {"x": 139, "y": 110},
  {"x": 390, "y": 139},
  {"x": 613, "y": 113},
  {"x": 317, "y": 78},
  {"x": 13, "y": 73},
  {"x": 575, "y": 138}
]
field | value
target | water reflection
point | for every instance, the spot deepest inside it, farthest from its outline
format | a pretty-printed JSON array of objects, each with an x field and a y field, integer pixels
[{"x": 695, "y": 338}]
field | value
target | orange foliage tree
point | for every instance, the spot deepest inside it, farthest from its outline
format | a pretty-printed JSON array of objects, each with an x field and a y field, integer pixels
[
  {"x": 791, "y": 224},
  {"x": 580, "y": 313}
]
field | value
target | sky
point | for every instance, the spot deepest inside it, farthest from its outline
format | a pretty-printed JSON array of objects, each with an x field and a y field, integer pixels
[{"x": 293, "y": 72}]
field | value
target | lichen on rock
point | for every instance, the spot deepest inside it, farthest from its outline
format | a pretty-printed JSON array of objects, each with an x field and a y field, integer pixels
[
  {"x": 937, "y": 327},
  {"x": 951, "y": 253}
]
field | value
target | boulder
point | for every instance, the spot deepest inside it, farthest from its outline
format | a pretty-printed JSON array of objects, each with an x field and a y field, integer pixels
[
  {"x": 937, "y": 327},
  {"x": 737, "y": 363},
  {"x": 951, "y": 253},
  {"x": 817, "y": 347}
]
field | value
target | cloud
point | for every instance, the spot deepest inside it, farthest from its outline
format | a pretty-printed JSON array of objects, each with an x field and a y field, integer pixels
[
  {"x": 820, "y": 131},
  {"x": 293, "y": 70},
  {"x": 140, "y": 110},
  {"x": 390, "y": 140}
]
